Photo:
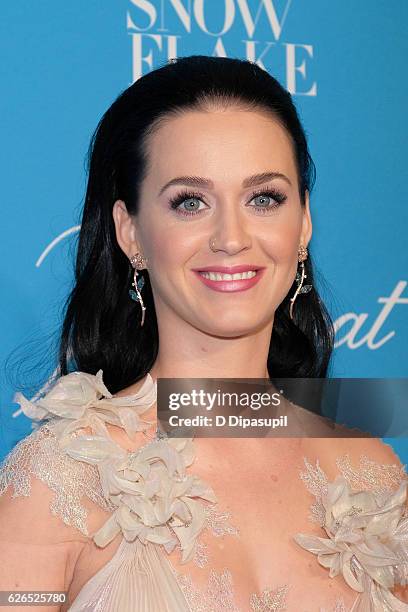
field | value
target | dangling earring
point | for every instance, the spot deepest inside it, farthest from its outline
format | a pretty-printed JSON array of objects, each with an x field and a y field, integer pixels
[
  {"x": 138, "y": 262},
  {"x": 300, "y": 276}
]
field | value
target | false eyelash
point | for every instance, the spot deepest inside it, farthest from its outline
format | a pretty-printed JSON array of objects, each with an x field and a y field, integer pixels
[
  {"x": 273, "y": 193},
  {"x": 276, "y": 195},
  {"x": 184, "y": 195}
]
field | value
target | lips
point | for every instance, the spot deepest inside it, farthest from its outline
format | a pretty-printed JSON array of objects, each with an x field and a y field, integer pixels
[
  {"x": 230, "y": 269},
  {"x": 230, "y": 278},
  {"x": 218, "y": 276}
]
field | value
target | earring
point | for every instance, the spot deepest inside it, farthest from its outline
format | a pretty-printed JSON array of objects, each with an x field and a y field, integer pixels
[
  {"x": 300, "y": 276},
  {"x": 138, "y": 262}
]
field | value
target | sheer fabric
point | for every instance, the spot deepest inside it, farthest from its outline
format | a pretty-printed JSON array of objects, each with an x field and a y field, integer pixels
[{"x": 157, "y": 506}]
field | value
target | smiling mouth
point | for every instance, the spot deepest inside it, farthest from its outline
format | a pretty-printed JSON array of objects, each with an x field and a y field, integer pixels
[
  {"x": 228, "y": 280},
  {"x": 217, "y": 276}
]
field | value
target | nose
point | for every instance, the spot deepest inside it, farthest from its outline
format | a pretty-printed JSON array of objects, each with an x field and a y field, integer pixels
[{"x": 230, "y": 235}]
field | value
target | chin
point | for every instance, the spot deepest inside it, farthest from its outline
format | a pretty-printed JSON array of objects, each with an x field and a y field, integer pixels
[{"x": 233, "y": 327}]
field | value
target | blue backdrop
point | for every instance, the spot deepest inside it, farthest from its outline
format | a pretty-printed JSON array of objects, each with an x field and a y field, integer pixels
[{"x": 344, "y": 62}]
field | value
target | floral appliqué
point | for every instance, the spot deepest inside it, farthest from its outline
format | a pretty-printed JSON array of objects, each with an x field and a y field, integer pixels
[{"x": 367, "y": 535}]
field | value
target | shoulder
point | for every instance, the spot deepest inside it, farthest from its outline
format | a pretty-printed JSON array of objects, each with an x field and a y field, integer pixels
[
  {"x": 313, "y": 425},
  {"x": 64, "y": 468},
  {"x": 365, "y": 462},
  {"x": 39, "y": 481},
  {"x": 41, "y": 522},
  {"x": 364, "y": 509},
  {"x": 29, "y": 519}
]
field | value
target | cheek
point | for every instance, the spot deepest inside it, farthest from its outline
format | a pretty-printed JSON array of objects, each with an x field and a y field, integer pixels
[
  {"x": 281, "y": 239},
  {"x": 169, "y": 247}
]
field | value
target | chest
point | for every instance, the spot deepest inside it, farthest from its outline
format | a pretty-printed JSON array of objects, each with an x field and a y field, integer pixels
[{"x": 246, "y": 553}]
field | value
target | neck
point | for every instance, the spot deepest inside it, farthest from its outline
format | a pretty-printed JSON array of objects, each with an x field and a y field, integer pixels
[{"x": 186, "y": 352}]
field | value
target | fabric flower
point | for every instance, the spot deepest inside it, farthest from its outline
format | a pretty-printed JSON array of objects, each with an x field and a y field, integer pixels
[
  {"x": 81, "y": 400},
  {"x": 156, "y": 500},
  {"x": 364, "y": 530}
]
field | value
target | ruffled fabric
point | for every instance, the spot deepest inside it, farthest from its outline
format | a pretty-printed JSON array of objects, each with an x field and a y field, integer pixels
[
  {"x": 137, "y": 578},
  {"x": 157, "y": 506},
  {"x": 156, "y": 500},
  {"x": 80, "y": 400},
  {"x": 366, "y": 544}
]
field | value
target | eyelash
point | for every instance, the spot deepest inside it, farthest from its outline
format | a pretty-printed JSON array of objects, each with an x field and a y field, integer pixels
[{"x": 178, "y": 199}]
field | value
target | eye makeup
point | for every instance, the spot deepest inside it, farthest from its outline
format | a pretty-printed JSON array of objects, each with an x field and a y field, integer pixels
[{"x": 187, "y": 194}]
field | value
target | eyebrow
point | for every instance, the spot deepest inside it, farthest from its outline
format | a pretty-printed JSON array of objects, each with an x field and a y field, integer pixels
[{"x": 250, "y": 181}]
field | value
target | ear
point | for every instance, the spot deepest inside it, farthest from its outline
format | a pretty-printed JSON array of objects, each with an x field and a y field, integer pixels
[
  {"x": 126, "y": 233},
  {"x": 307, "y": 227}
]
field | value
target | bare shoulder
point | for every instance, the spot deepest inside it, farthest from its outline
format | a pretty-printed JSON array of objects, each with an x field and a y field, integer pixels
[
  {"x": 304, "y": 422},
  {"x": 38, "y": 483},
  {"x": 38, "y": 550},
  {"x": 30, "y": 518},
  {"x": 50, "y": 505},
  {"x": 49, "y": 502}
]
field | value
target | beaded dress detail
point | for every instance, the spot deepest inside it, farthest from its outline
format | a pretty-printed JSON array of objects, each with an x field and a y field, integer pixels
[{"x": 158, "y": 507}]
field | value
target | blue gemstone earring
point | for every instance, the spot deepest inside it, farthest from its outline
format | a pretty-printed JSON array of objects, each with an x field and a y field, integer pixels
[{"x": 138, "y": 262}]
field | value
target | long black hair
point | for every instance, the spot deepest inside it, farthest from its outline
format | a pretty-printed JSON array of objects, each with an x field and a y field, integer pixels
[{"x": 102, "y": 328}]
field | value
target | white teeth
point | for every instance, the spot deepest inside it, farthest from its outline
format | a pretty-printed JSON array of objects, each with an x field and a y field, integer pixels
[{"x": 216, "y": 276}]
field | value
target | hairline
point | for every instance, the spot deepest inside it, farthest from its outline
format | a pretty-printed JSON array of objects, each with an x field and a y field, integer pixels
[{"x": 215, "y": 102}]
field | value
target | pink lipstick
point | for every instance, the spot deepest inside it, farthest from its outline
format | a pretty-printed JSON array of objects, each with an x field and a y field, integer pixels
[{"x": 230, "y": 278}]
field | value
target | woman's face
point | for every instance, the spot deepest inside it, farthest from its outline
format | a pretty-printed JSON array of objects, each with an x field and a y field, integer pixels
[{"x": 228, "y": 176}]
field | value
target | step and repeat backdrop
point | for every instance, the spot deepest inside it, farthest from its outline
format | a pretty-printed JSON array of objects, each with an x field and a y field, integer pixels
[{"x": 344, "y": 62}]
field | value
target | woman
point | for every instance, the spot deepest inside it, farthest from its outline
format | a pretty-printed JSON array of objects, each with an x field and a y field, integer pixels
[{"x": 199, "y": 169}]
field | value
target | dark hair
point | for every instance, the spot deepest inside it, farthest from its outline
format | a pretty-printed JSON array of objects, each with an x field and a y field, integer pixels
[{"x": 102, "y": 324}]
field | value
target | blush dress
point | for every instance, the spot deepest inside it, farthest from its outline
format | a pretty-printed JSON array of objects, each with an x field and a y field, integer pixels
[{"x": 157, "y": 506}]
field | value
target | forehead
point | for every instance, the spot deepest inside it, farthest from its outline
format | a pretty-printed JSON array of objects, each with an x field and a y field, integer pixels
[{"x": 224, "y": 145}]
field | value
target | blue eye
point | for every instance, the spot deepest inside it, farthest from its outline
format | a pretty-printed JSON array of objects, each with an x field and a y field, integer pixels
[
  {"x": 187, "y": 203},
  {"x": 191, "y": 204},
  {"x": 266, "y": 201},
  {"x": 263, "y": 200}
]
